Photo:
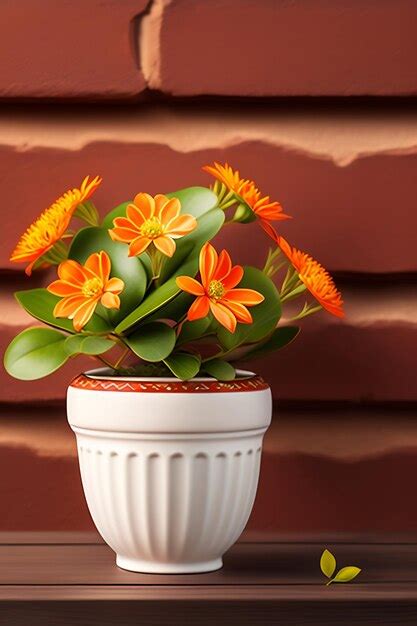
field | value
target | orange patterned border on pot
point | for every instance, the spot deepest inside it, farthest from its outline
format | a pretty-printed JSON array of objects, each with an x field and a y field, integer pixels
[{"x": 255, "y": 383}]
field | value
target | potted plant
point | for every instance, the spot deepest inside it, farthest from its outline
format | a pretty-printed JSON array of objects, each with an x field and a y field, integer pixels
[{"x": 169, "y": 433}]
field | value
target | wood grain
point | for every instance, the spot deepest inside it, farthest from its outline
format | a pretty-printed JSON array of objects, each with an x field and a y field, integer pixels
[{"x": 76, "y": 581}]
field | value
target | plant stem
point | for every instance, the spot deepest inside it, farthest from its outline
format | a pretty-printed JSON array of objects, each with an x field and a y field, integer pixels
[
  {"x": 103, "y": 360},
  {"x": 121, "y": 359},
  {"x": 305, "y": 311},
  {"x": 294, "y": 292}
]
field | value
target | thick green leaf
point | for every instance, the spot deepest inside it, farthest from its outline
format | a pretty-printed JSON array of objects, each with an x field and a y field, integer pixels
[
  {"x": 265, "y": 315},
  {"x": 281, "y": 337},
  {"x": 40, "y": 304},
  {"x": 194, "y": 200},
  {"x": 346, "y": 574},
  {"x": 35, "y": 353},
  {"x": 209, "y": 224},
  {"x": 152, "y": 342},
  {"x": 183, "y": 365},
  {"x": 80, "y": 344},
  {"x": 119, "y": 211},
  {"x": 190, "y": 331},
  {"x": 174, "y": 310},
  {"x": 221, "y": 370},
  {"x": 130, "y": 269},
  {"x": 327, "y": 563},
  {"x": 190, "y": 244}
]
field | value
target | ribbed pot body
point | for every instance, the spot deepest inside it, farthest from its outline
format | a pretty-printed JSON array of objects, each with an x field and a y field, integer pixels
[{"x": 169, "y": 469}]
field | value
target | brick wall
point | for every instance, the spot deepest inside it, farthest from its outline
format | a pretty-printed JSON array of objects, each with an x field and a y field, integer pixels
[{"x": 144, "y": 94}]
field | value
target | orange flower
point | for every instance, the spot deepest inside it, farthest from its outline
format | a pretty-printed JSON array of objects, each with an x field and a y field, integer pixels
[
  {"x": 152, "y": 220},
  {"x": 82, "y": 287},
  {"x": 217, "y": 292},
  {"x": 317, "y": 280},
  {"x": 247, "y": 191},
  {"x": 49, "y": 227}
]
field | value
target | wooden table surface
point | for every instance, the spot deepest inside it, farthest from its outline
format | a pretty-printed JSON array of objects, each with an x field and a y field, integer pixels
[{"x": 63, "y": 579}]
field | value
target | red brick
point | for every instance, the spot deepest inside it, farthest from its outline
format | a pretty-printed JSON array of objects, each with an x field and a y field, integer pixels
[
  {"x": 270, "y": 48},
  {"x": 80, "y": 49},
  {"x": 323, "y": 472},
  {"x": 369, "y": 356},
  {"x": 349, "y": 182}
]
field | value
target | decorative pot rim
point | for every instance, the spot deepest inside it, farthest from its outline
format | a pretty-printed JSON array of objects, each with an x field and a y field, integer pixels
[{"x": 99, "y": 380}]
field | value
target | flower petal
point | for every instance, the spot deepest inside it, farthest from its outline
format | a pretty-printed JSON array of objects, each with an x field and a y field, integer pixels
[
  {"x": 267, "y": 210},
  {"x": 244, "y": 296},
  {"x": 165, "y": 244},
  {"x": 114, "y": 285},
  {"x": 315, "y": 277},
  {"x": 146, "y": 204},
  {"x": 123, "y": 222},
  {"x": 233, "y": 278},
  {"x": 208, "y": 263},
  {"x": 87, "y": 187},
  {"x": 62, "y": 288},
  {"x": 240, "y": 311},
  {"x": 110, "y": 300},
  {"x": 68, "y": 306},
  {"x": 270, "y": 230},
  {"x": 135, "y": 216},
  {"x": 125, "y": 235},
  {"x": 72, "y": 272},
  {"x": 198, "y": 309},
  {"x": 190, "y": 285},
  {"x": 84, "y": 314},
  {"x": 99, "y": 263},
  {"x": 181, "y": 225},
  {"x": 169, "y": 208},
  {"x": 224, "y": 266},
  {"x": 139, "y": 245},
  {"x": 223, "y": 315}
]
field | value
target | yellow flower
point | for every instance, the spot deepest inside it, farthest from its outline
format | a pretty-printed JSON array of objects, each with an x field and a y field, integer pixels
[
  {"x": 49, "y": 227},
  {"x": 82, "y": 287},
  {"x": 216, "y": 292},
  {"x": 155, "y": 220}
]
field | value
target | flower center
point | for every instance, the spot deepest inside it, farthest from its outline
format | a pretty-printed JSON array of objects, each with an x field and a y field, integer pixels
[
  {"x": 216, "y": 290},
  {"x": 151, "y": 228},
  {"x": 92, "y": 287}
]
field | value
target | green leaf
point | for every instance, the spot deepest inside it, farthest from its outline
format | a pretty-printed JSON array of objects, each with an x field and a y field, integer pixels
[
  {"x": 152, "y": 342},
  {"x": 281, "y": 337},
  {"x": 265, "y": 315},
  {"x": 183, "y": 365},
  {"x": 346, "y": 574},
  {"x": 35, "y": 353},
  {"x": 80, "y": 344},
  {"x": 119, "y": 211},
  {"x": 130, "y": 269},
  {"x": 221, "y": 370},
  {"x": 194, "y": 200},
  {"x": 174, "y": 310},
  {"x": 190, "y": 331},
  {"x": 190, "y": 244},
  {"x": 327, "y": 563},
  {"x": 209, "y": 224},
  {"x": 40, "y": 304}
]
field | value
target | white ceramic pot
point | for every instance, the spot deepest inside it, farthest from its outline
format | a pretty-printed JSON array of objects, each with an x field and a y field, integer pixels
[{"x": 169, "y": 468}]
